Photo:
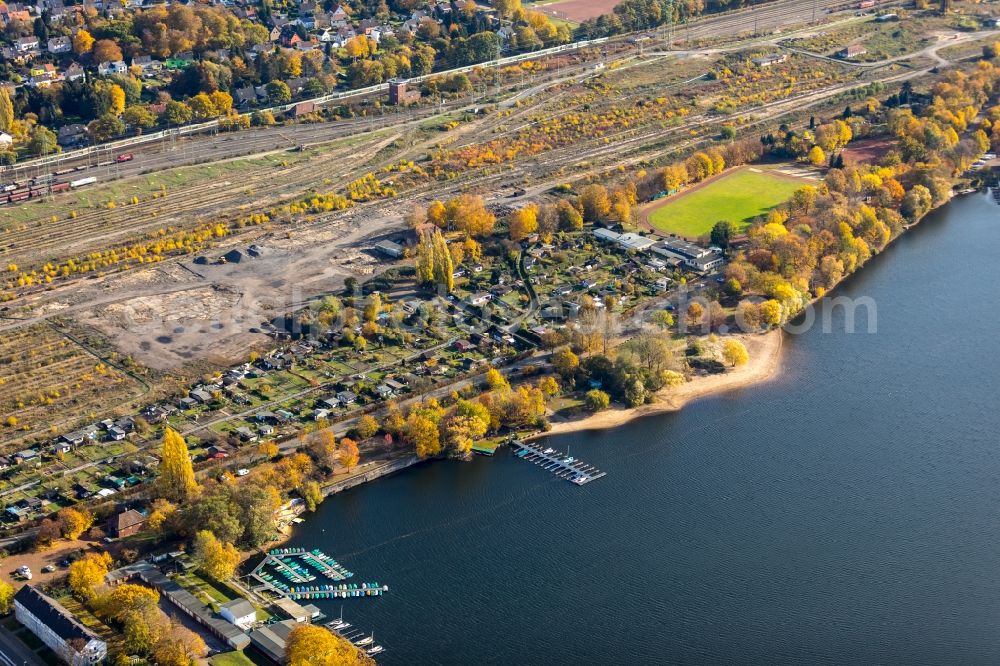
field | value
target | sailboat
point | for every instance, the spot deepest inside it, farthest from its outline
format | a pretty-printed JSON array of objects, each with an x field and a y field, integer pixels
[
  {"x": 366, "y": 640},
  {"x": 339, "y": 624}
]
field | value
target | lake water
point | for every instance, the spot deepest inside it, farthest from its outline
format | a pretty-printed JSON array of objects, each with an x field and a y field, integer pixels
[{"x": 846, "y": 512}]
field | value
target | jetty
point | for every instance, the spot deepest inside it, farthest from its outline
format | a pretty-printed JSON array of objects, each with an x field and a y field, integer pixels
[
  {"x": 561, "y": 464},
  {"x": 288, "y": 573}
]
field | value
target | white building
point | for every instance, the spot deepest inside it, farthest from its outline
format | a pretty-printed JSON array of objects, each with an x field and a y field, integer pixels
[
  {"x": 74, "y": 643},
  {"x": 110, "y": 68},
  {"x": 240, "y": 612}
]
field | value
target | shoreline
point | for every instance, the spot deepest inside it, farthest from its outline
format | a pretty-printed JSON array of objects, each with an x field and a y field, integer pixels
[{"x": 765, "y": 361}]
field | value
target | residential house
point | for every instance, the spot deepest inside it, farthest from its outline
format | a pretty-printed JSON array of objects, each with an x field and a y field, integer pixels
[
  {"x": 74, "y": 72},
  {"x": 125, "y": 524},
  {"x": 26, "y": 44},
  {"x": 61, "y": 44},
  {"x": 347, "y": 398},
  {"x": 55, "y": 626},
  {"x": 112, "y": 68},
  {"x": 245, "y": 434},
  {"x": 480, "y": 298},
  {"x": 149, "y": 66}
]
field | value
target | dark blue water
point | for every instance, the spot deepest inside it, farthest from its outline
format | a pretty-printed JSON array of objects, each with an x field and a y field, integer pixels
[{"x": 847, "y": 512}]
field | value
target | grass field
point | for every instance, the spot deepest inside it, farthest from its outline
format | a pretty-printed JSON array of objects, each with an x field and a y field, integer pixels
[{"x": 738, "y": 197}]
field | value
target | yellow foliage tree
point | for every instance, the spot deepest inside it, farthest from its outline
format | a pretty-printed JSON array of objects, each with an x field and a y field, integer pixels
[
  {"x": 75, "y": 522},
  {"x": 176, "y": 481},
  {"x": 6, "y": 597},
  {"x": 523, "y": 222},
  {"x": 735, "y": 353},
  {"x": 87, "y": 573},
  {"x": 313, "y": 645},
  {"x": 216, "y": 558},
  {"x": 817, "y": 157}
]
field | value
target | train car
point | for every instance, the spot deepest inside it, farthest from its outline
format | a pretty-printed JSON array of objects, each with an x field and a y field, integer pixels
[
  {"x": 125, "y": 157},
  {"x": 43, "y": 179},
  {"x": 10, "y": 187},
  {"x": 866, "y": 4},
  {"x": 60, "y": 187},
  {"x": 82, "y": 181}
]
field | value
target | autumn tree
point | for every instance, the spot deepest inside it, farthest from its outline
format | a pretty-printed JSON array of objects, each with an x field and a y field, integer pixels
[
  {"x": 177, "y": 113},
  {"x": 312, "y": 494},
  {"x": 75, "y": 522},
  {"x": 434, "y": 264},
  {"x": 216, "y": 558},
  {"x": 367, "y": 426},
  {"x": 313, "y": 645},
  {"x": 468, "y": 213},
  {"x": 467, "y": 422},
  {"x": 86, "y": 574},
  {"x": 523, "y": 222},
  {"x": 495, "y": 380},
  {"x": 176, "y": 482},
  {"x": 6, "y": 111},
  {"x": 423, "y": 434},
  {"x": 179, "y": 646},
  {"x": 735, "y": 352},
  {"x": 349, "y": 453},
  {"x": 82, "y": 42},
  {"x": 6, "y": 597},
  {"x": 106, "y": 50},
  {"x": 663, "y": 319},
  {"x": 817, "y": 157},
  {"x": 565, "y": 361},
  {"x": 570, "y": 218},
  {"x": 594, "y": 202}
]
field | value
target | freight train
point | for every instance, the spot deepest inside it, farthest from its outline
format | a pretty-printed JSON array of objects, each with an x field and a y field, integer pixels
[{"x": 40, "y": 186}]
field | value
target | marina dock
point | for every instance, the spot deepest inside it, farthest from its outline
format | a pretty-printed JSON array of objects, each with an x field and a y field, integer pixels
[
  {"x": 290, "y": 572},
  {"x": 561, "y": 464}
]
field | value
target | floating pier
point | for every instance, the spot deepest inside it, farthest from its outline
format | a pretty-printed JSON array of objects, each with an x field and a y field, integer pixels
[
  {"x": 289, "y": 572},
  {"x": 561, "y": 464}
]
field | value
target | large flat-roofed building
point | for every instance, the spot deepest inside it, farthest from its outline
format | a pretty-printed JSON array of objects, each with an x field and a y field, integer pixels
[
  {"x": 55, "y": 626},
  {"x": 271, "y": 639},
  {"x": 695, "y": 257}
]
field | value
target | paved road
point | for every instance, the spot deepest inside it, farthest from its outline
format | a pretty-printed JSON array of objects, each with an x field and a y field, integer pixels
[{"x": 15, "y": 653}]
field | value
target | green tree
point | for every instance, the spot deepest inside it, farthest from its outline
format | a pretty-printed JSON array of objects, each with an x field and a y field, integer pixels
[
  {"x": 312, "y": 494},
  {"x": 663, "y": 319},
  {"x": 106, "y": 127},
  {"x": 722, "y": 233},
  {"x": 177, "y": 113},
  {"x": 43, "y": 141},
  {"x": 278, "y": 92},
  {"x": 139, "y": 116},
  {"x": 596, "y": 400}
]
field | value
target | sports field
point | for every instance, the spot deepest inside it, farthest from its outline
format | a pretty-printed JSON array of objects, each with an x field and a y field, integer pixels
[{"x": 738, "y": 197}]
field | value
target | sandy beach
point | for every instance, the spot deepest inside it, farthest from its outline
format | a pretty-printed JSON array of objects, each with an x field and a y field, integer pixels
[{"x": 765, "y": 359}]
